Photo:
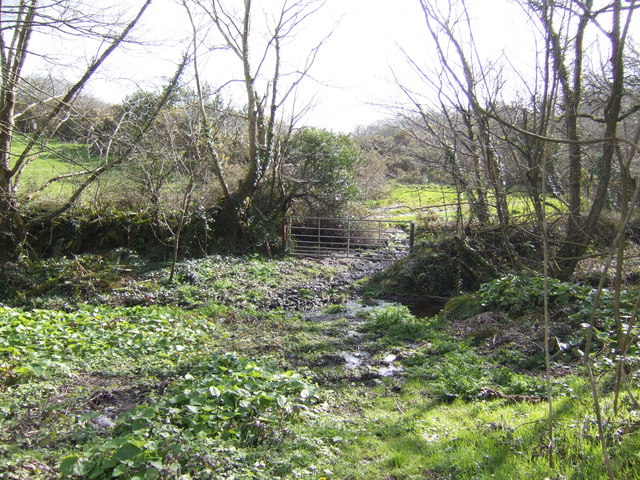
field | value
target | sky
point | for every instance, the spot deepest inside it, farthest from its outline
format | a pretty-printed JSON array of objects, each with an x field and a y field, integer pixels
[{"x": 351, "y": 83}]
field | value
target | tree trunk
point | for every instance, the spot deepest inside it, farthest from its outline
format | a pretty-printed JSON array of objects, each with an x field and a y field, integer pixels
[{"x": 580, "y": 230}]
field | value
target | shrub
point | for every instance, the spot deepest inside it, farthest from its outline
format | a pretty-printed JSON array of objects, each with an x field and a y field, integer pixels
[
  {"x": 442, "y": 268},
  {"x": 395, "y": 321},
  {"x": 520, "y": 294}
]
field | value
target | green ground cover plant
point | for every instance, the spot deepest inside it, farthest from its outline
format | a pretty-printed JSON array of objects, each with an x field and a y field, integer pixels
[
  {"x": 395, "y": 322},
  {"x": 97, "y": 339},
  {"x": 121, "y": 277},
  {"x": 182, "y": 397},
  {"x": 451, "y": 365},
  {"x": 209, "y": 391},
  {"x": 226, "y": 398}
]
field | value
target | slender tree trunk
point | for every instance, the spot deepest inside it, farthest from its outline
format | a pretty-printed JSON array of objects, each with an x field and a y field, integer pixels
[
  {"x": 186, "y": 202},
  {"x": 580, "y": 230},
  {"x": 13, "y": 58}
]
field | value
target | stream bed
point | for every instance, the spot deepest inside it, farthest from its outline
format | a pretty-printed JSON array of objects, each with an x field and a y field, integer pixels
[{"x": 355, "y": 351}]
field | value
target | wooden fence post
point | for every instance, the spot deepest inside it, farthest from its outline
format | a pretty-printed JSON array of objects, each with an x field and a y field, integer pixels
[{"x": 412, "y": 232}]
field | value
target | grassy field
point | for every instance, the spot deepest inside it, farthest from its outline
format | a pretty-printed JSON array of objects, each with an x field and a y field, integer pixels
[
  {"x": 409, "y": 202},
  {"x": 222, "y": 387},
  {"x": 57, "y": 159},
  {"x": 406, "y": 202}
]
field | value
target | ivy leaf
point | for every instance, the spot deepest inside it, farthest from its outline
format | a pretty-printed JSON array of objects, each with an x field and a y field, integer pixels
[
  {"x": 151, "y": 474},
  {"x": 119, "y": 470},
  {"x": 88, "y": 416},
  {"x": 127, "y": 452},
  {"x": 67, "y": 464}
]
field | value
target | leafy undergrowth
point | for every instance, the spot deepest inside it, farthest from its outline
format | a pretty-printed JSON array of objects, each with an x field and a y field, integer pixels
[
  {"x": 452, "y": 368},
  {"x": 219, "y": 405},
  {"x": 208, "y": 392},
  {"x": 136, "y": 392},
  {"x": 122, "y": 278},
  {"x": 120, "y": 341}
]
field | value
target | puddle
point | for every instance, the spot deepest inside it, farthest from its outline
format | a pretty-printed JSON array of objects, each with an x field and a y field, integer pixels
[
  {"x": 353, "y": 360},
  {"x": 390, "y": 358},
  {"x": 425, "y": 310},
  {"x": 390, "y": 370}
]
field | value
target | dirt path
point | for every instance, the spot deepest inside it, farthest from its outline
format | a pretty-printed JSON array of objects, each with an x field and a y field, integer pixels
[{"x": 323, "y": 291}]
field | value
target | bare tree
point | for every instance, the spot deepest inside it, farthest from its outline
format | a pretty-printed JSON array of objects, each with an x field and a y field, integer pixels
[
  {"x": 565, "y": 25},
  {"x": 267, "y": 88},
  {"x": 551, "y": 121},
  {"x": 562, "y": 123},
  {"x": 464, "y": 89}
]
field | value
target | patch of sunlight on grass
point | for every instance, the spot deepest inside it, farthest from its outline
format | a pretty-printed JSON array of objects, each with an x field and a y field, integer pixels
[
  {"x": 409, "y": 202},
  {"x": 415, "y": 196},
  {"x": 410, "y": 436},
  {"x": 57, "y": 158}
]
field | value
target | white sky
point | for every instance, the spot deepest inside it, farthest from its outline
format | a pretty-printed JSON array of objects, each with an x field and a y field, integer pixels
[{"x": 352, "y": 74}]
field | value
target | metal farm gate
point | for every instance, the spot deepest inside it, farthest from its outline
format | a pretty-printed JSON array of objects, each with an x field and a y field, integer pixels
[{"x": 342, "y": 237}]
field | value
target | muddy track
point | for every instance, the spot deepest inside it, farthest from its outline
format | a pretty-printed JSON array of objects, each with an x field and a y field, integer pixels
[
  {"x": 344, "y": 350},
  {"x": 351, "y": 354},
  {"x": 325, "y": 291}
]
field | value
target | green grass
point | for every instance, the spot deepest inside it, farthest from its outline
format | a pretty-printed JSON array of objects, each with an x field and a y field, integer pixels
[
  {"x": 409, "y": 202},
  {"x": 459, "y": 415},
  {"x": 411, "y": 436},
  {"x": 57, "y": 158},
  {"x": 520, "y": 204},
  {"x": 403, "y": 201},
  {"x": 417, "y": 196}
]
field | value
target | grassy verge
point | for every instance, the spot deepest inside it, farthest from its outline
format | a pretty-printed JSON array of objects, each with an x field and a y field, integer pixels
[{"x": 404, "y": 433}]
